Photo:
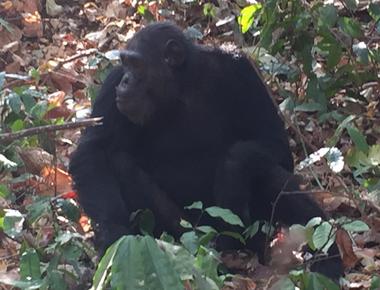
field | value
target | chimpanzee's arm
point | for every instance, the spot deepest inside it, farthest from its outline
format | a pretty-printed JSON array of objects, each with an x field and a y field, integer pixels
[{"x": 109, "y": 183}]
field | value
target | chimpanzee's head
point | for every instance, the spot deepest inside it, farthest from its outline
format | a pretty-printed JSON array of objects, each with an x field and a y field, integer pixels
[{"x": 154, "y": 60}]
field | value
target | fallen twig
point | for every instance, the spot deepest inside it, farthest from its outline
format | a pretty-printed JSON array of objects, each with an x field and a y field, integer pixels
[{"x": 49, "y": 128}]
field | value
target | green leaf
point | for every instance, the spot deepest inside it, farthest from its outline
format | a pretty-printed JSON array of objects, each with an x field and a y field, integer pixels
[
  {"x": 35, "y": 74},
  {"x": 38, "y": 208},
  {"x": 13, "y": 223},
  {"x": 209, "y": 10},
  {"x": 374, "y": 11},
  {"x": 208, "y": 261},
  {"x": 247, "y": 16},
  {"x": 328, "y": 16},
  {"x": 69, "y": 210},
  {"x": 2, "y": 79},
  {"x": 351, "y": 27},
  {"x": 30, "y": 265},
  {"x": 185, "y": 224},
  {"x": 225, "y": 214},
  {"x": 374, "y": 155},
  {"x": 322, "y": 235},
  {"x": 334, "y": 139},
  {"x": 315, "y": 281},
  {"x": 28, "y": 101},
  {"x": 39, "y": 110},
  {"x": 358, "y": 138},
  {"x": 252, "y": 230},
  {"x": 234, "y": 235},
  {"x": 309, "y": 107},
  {"x": 195, "y": 205},
  {"x": 99, "y": 279},
  {"x": 284, "y": 284},
  {"x": 140, "y": 264},
  {"x": 14, "y": 102},
  {"x": 375, "y": 283},
  {"x": 22, "y": 284},
  {"x": 356, "y": 226},
  {"x": 4, "y": 191},
  {"x": 190, "y": 241},
  {"x": 362, "y": 52},
  {"x": 314, "y": 222},
  {"x": 351, "y": 4},
  {"x": 17, "y": 125},
  {"x": 6, "y": 163},
  {"x": 206, "y": 229},
  {"x": 56, "y": 280}
]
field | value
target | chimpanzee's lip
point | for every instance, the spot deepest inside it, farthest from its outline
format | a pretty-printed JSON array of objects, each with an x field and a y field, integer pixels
[{"x": 119, "y": 100}]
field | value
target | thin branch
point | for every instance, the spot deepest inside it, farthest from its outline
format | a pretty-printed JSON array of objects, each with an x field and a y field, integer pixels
[{"x": 50, "y": 128}]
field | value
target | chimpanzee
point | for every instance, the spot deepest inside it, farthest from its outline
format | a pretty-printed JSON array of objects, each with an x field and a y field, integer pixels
[{"x": 184, "y": 123}]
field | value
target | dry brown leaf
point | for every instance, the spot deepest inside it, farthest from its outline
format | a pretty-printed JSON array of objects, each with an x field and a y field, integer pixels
[
  {"x": 6, "y": 5},
  {"x": 344, "y": 243},
  {"x": 35, "y": 159},
  {"x": 32, "y": 25},
  {"x": 240, "y": 283},
  {"x": 7, "y": 37},
  {"x": 56, "y": 178}
]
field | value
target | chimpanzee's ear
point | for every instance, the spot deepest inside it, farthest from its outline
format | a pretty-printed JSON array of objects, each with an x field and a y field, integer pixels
[{"x": 174, "y": 53}]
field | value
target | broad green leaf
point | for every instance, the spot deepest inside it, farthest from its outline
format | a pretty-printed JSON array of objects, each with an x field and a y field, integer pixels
[
  {"x": 14, "y": 102},
  {"x": 247, "y": 16},
  {"x": 351, "y": 4},
  {"x": 39, "y": 110},
  {"x": 185, "y": 224},
  {"x": 208, "y": 261},
  {"x": 21, "y": 284},
  {"x": 309, "y": 107},
  {"x": 30, "y": 265},
  {"x": 322, "y": 235},
  {"x": 2, "y": 79},
  {"x": 374, "y": 11},
  {"x": 28, "y": 100},
  {"x": 17, "y": 125},
  {"x": 140, "y": 264},
  {"x": 195, "y": 205},
  {"x": 69, "y": 210},
  {"x": 351, "y": 27},
  {"x": 284, "y": 284},
  {"x": 356, "y": 226},
  {"x": 6, "y": 163},
  {"x": 56, "y": 280},
  {"x": 190, "y": 241},
  {"x": 234, "y": 235},
  {"x": 374, "y": 155},
  {"x": 334, "y": 139},
  {"x": 328, "y": 15},
  {"x": 209, "y": 10},
  {"x": 358, "y": 138},
  {"x": 362, "y": 52},
  {"x": 13, "y": 223},
  {"x": 313, "y": 222},
  {"x": 4, "y": 191},
  {"x": 252, "y": 230},
  {"x": 35, "y": 74},
  {"x": 315, "y": 281},
  {"x": 38, "y": 208},
  {"x": 206, "y": 229},
  {"x": 375, "y": 283},
  {"x": 225, "y": 214},
  {"x": 99, "y": 279}
]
